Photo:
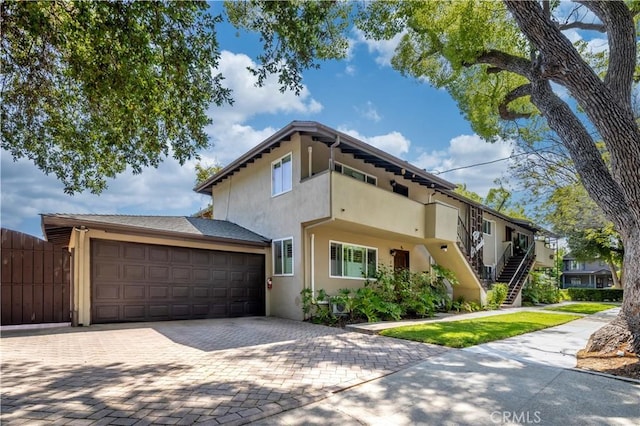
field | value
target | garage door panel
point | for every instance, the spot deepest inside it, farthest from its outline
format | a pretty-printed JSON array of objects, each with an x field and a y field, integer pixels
[
  {"x": 158, "y": 254},
  {"x": 180, "y": 311},
  {"x": 133, "y": 272},
  {"x": 159, "y": 273},
  {"x": 220, "y": 259},
  {"x": 181, "y": 274},
  {"x": 158, "y": 292},
  {"x": 108, "y": 292},
  {"x": 108, "y": 249},
  {"x": 140, "y": 282},
  {"x": 220, "y": 275},
  {"x": 200, "y": 258},
  {"x": 107, "y": 313},
  {"x": 134, "y": 312},
  {"x": 132, "y": 291},
  {"x": 179, "y": 255},
  {"x": 220, "y": 293},
  {"x": 200, "y": 310},
  {"x": 218, "y": 310},
  {"x": 201, "y": 275},
  {"x": 107, "y": 271},
  {"x": 200, "y": 292},
  {"x": 160, "y": 311},
  {"x": 180, "y": 292},
  {"x": 134, "y": 252}
]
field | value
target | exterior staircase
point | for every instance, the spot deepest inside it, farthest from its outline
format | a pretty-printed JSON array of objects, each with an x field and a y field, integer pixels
[{"x": 515, "y": 273}]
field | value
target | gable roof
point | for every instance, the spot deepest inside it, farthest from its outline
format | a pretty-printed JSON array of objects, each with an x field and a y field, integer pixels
[
  {"x": 57, "y": 227},
  {"x": 347, "y": 144}
]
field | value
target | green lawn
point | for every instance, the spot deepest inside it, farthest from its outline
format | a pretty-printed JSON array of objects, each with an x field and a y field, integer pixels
[
  {"x": 460, "y": 334},
  {"x": 583, "y": 308}
]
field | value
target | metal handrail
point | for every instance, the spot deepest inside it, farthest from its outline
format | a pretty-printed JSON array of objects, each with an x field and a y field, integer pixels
[
  {"x": 464, "y": 237},
  {"x": 503, "y": 259},
  {"x": 527, "y": 257}
]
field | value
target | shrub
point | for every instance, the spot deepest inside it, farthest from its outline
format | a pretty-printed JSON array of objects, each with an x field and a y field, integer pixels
[
  {"x": 596, "y": 294},
  {"x": 391, "y": 295},
  {"x": 497, "y": 295},
  {"x": 541, "y": 288}
]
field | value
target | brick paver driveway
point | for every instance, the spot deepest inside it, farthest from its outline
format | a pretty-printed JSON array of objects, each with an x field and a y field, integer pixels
[{"x": 183, "y": 372}]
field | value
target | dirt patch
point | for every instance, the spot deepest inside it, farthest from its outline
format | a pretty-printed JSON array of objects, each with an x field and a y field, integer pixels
[{"x": 621, "y": 363}]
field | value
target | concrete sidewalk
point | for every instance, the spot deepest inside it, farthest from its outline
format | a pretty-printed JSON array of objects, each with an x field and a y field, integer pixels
[{"x": 522, "y": 380}]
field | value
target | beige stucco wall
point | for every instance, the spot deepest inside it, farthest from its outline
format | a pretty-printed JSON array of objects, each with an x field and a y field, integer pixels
[
  {"x": 332, "y": 231},
  {"x": 80, "y": 247}
]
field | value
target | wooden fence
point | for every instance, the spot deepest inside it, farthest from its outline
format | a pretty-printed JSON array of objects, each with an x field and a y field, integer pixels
[{"x": 36, "y": 279}]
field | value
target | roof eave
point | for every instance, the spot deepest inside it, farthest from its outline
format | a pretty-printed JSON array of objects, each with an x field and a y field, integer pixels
[
  {"x": 315, "y": 127},
  {"x": 60, "y": 221}
]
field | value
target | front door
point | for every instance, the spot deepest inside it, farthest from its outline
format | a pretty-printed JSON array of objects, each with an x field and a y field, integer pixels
[{"x": 401, "y": 260}]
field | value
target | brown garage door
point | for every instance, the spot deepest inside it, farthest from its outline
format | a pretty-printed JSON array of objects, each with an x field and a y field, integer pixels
[{"x": 144, "y": 282}]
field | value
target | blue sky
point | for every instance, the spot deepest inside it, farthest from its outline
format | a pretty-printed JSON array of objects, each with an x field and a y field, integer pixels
[{"x": 362, "y": 96}]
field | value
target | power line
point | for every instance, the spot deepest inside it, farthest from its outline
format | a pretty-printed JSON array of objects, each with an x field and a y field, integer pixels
[{"x": 485, "y": 163}]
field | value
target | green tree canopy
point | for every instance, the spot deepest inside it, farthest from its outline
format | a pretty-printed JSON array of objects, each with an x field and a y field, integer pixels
[{"x": 90, "y": 88}]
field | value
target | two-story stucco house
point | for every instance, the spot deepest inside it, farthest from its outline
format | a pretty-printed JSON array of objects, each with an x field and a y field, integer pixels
[
  {"x": 335, "y": 207},
  {"x": 310, "y": 207}
]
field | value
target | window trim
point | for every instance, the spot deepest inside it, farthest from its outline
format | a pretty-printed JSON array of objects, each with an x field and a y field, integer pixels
[
  {"x": 273, "y": 257},
  {"x": 279, "y": 160},
  {"x": 492, "y": 225},
  {"x": 342, "y": 244},
  {"x": 366, "y": 175}
]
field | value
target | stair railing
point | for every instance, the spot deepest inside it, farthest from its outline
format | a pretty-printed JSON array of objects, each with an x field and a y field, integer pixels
[
  {"x": 521, "y": 268},
  {"x": 464, "y": 237},
  {"x": 503, "y": 259}
]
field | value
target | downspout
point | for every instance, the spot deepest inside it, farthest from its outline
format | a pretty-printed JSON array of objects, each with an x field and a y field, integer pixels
[
  {"x": 313, "y": 265},
  {"x": 333, "y": 145},
  {"x": 78, "y": 291},
  {"x": 310, "y": 151}
]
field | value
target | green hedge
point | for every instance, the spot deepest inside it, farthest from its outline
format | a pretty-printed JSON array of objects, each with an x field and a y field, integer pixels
[{"x": 596, "y": 295}]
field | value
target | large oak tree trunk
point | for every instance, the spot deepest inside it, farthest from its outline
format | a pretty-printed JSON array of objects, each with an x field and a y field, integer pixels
[
  {"x": 622, "y": 333},
  {"x": 607, "y": 104}
]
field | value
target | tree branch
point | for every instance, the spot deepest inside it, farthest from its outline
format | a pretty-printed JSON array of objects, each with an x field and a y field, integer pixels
[
  {"x": 505, "y": 61},
  {"x": 518, "y": 92},
  {"x": 621, "y": 34},
  {"x": 582, "y": 26},
  {"x": 593, "y": 171}
]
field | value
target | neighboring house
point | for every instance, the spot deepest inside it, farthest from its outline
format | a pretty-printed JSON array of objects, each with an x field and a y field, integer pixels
[
  {"x": 310, "y": 207},
  {"x": 335, "y": 208},
  {"x": 591, "y": 274}
]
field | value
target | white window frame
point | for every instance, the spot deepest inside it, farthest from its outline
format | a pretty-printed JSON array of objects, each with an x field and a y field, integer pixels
[
  {"x": 342, "y": 245},
  {"x": 492, "y": 225},
  {"x": 290, "y": 181},
  {"x": 273, "y": 257},
  {"x": 367, "y": 176}
]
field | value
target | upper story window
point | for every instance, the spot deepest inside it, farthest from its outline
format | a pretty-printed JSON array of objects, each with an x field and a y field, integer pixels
[
  {"x": 486, "y": 227},
  {"x": 281, "y": 175},
  {"x": 351, "y": 261},
  {"x": 356, "y": 174},
  {"x": 574, "y": 265},
  {"x": 283, "y": 256}
]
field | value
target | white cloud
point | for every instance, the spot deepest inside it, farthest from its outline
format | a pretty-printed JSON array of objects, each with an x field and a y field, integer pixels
[
  {"x": 383, "y": 50},
  {"x": 394, "y": 142},
  {"x": 26, "y": 192},
  {"x": 251, "y": 100},
  {"x": 229, "y": 134},
  {"x": 369, "y": 112},
  {"x": 350, "y": 70},
  {"x": 468, "y": 150}
]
